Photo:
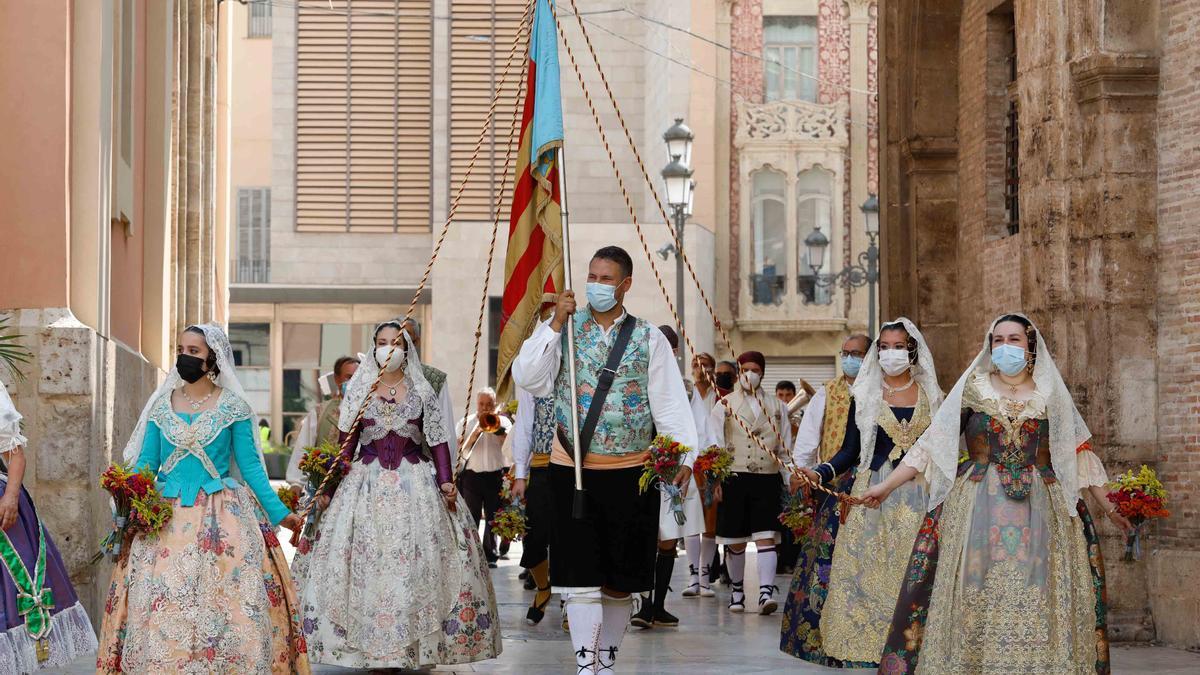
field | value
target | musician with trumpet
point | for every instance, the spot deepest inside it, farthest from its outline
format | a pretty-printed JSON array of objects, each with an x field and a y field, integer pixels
[{"x": 485, "y": 461}]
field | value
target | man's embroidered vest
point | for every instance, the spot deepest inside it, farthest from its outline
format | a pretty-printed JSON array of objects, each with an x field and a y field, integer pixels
[
  {"x": 748, "y": 456},
  {"x": 543, "y": 426},
  {"x": 625, "y": 423}
]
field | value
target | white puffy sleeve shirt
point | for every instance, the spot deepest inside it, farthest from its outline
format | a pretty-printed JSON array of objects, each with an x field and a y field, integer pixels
[{"x": 536, "y": 368}]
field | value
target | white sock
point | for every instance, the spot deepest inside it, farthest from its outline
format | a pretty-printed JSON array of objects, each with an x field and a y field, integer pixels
[
  {"x": 617, "y": 612},
  {"x": 693, "y": 547},
  {"x": 586, "y": 615},
  {"x": 766, "y": 566},
  {"x": 736, "y": 564},
  {"x": 708, "y": 549}
]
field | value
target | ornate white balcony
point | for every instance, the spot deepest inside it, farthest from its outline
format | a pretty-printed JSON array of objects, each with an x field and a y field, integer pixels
[{"x": 791, "y": 123}]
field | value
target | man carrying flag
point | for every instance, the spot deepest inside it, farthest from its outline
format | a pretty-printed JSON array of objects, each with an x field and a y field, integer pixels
[{"x": 628, "y": 388}]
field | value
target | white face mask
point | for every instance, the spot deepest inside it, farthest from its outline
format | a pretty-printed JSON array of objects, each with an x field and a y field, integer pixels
[
  {"x": 750, "y": 381},
  {"x": 894, "y": 361},
  {"x": 397, "y": 362}
]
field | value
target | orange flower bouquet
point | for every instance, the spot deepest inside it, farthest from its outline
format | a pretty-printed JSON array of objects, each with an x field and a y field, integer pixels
[
  {"x": 1139, "y": 497},
  {"x": 715, "y": 465}
]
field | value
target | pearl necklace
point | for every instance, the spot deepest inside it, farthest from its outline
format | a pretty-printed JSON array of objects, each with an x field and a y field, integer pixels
[
  {"x": 193, "y": 402},
  {"x": 892, "y": 391}
]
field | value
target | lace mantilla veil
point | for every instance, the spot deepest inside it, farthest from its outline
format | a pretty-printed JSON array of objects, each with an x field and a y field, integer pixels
[
  {"x": 361, "y": 383},
  {"x": 10, "y": 422},
  {"x": 218, "y": 342},
  {"x": 868, "y": 387},
  {"x": 1067, "y": 428}
]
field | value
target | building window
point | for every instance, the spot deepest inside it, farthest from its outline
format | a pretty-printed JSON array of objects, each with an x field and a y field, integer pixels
[
  {"x": 813, "y": 204},
  {"x": 251, "y": 344},
  {"x": 259, "y": 21},
  {"x": 495, "y": 309},
  {"x": 1012, "y": 174},
  {"x": 1003, "y": 205},
  {"x": 254, "y": 235},
  {"x": 769, "y": 273},
  {"x": 790, "y": 58}
]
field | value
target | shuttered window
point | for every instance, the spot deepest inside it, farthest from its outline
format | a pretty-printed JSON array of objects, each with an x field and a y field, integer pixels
[
  {"x": 815, "y": 371},
  {"x": 254, "y": 235},
  {"x": 363, "y": 115},
  {"x": 481, "y": 37}
]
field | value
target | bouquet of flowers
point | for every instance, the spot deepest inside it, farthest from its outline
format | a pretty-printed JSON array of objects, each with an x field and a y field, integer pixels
[
  {"x": 797, "y": 513},
  {"x": 510, "y": 408},
  {"x": 139, "y": 507},
  {"x": 509, "y": 522},
  {"x": 715, "y": 465},
  {"x": 1139, "y": 497},
  {"x": 289, "y": 497},
  {"x": 662, "y": 466},
  {"x": 318, "y": 462}
]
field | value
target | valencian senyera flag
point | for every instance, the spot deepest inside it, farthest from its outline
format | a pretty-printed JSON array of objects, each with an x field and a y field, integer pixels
[{"x": 533, "y": 269}]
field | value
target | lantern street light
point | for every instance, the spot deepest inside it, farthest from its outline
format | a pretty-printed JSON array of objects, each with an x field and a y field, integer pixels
[
  {"x": 677, "y": 175},
  {"x": 864, "y": 273}
]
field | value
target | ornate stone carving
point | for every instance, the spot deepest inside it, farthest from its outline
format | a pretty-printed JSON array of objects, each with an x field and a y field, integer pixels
[{"x": 784, "y": 122}]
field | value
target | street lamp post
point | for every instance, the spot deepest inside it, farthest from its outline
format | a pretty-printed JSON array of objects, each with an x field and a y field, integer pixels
[
  {"x": 864, "y": 273},
  {"x": 677, "y": 175}
]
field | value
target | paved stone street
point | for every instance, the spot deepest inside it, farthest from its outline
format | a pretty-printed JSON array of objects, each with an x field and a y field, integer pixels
[{"x": 708, "y": 640}]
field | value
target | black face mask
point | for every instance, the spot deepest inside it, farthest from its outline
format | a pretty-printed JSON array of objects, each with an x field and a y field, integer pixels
[
  {"x": 191, "y": 368},
  {"x": 724, "y": 380}
]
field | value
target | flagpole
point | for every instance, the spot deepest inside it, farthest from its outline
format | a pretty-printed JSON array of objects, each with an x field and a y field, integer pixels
[{"x": 578, "y": 505}]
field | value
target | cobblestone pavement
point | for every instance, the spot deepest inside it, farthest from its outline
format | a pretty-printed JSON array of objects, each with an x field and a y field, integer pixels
[{"x": 708, "y": 640}]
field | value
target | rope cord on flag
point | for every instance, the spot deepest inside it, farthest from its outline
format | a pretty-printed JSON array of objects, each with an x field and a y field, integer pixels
[
  {"x": 612, "y": 99},
  {"x": 783, "y": 460},
  {"x": 398, "y": 341},
  {"x": 513, "y": 141}
]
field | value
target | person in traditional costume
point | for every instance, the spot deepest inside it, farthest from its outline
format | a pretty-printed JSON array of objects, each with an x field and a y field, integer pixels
[
  {"x": 895, "y": 396},
  {"x": 653, "y": 611},
  {"x": 748, "y": 501},
  {"x": 397, "y": 577},
  {"x": 320, "y": 425},
  {"x": 533, "y": 440},
  {"x": 702, "y": 548},
  {"x": 484, "y": 466},
  {"x": 820, "y": 436},
  {"x": 44, "y": 625},
  {"x": 609, "y": 553},
  {"x": 211, "y": 592},
  {"x": 1005, "y": 574},
  {"x": 437, "y": 380}
]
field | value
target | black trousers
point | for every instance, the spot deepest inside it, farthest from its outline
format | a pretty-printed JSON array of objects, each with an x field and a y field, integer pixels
[
  {"x": 538, "y": 507},
  {"x": 615, "y": 544},
  {"x": 481, "y": 492}
]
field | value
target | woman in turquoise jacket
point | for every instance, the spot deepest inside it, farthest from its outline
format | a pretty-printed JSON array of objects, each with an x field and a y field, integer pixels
[{"x": 212, "y": 591}]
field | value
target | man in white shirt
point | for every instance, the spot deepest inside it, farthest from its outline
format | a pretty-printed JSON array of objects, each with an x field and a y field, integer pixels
[
  {"x": 483, "y": 473},
  {"x": 702, "y": 549},
  {"x": 321, "y": 423},
  {"x": 817, "y": 440},
  {"x": 609, "y": 553}
]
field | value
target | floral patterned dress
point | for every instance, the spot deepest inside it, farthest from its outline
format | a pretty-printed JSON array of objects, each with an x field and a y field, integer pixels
[
  {"x": 1002, "y": 579},
  {"x": 212, "y": 592},
  {"x": 394, "y": 579}
]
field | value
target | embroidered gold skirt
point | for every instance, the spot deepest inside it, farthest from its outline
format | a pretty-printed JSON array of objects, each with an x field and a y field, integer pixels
[{"x": 869, "y": 560}]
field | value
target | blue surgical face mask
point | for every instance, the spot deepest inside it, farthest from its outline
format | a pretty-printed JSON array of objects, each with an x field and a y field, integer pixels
[
  {"x": 1009, "y": 359},
  {"x": 851, "y": 365},
  {"x": 601, "y": 297},
  {"x": 342, "y": 389}
]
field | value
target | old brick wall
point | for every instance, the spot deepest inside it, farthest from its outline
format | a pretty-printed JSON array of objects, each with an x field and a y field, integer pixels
[{"x": 1175, "y": 568}]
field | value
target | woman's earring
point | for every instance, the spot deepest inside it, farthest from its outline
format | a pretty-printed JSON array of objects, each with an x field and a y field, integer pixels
[{"x": 212, "y": 377}]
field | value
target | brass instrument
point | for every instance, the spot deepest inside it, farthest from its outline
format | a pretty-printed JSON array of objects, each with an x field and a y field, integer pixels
[{"x": 489, "y": 422}]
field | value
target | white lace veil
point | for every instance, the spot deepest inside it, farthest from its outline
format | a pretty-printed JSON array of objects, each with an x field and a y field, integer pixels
[
  {"x": 218, "y": 343},
  {"x": 868, "y": 387},
  {"x": 1067, "y": 428},
  {"x": 363, "y": 381},
  {"x": 10, "y": 422}
]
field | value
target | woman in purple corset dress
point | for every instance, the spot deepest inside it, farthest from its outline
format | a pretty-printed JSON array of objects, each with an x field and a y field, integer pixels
[
  {"x": 43, "y": 624},
  {"x": 397, "y": 577}
]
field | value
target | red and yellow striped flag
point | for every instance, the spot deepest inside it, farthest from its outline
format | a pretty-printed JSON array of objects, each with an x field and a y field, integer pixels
[{"x": 533, "y": 270}]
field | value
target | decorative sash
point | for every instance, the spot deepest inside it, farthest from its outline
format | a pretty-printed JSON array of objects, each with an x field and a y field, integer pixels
[
  {"x": 837, "y": 412},
  {"x": 34, "y": 600}
]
